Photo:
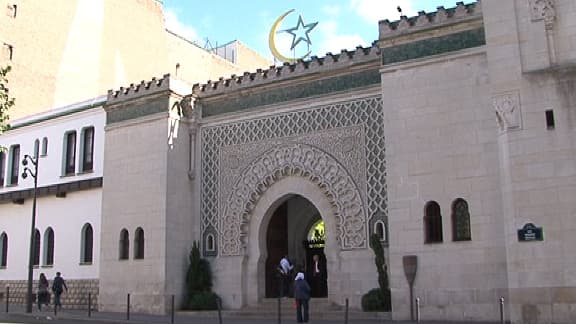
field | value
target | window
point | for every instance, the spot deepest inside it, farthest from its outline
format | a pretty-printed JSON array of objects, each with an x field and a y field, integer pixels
[
  {"x": 49, "y": 247},
  {"x": 11, "y": 10},
  {"x": 36, "y": 147},
  {"x": 550, "y": 123},
  {"x": 139, "y": 243},
  {"x": 14, "y": 164},
  {"x": 380, "y": 230},
  {"x": 36, "y": 255},
  {"x": 460, "y": 221},
  {"x": 87, "y": 149},
  {"x": 7, "y": 52},
  {"x": 3, "y": 250},
  {"x": 44, "y": 147},
  {"x": 210, "y": 243},
  {"x": 70, "y": 153},
  {"x": 2, "y": 167},
  {"x": 87, "y": 244},
  {"x": 124, "y": 244},
  {"x": 432, "y": 223}
]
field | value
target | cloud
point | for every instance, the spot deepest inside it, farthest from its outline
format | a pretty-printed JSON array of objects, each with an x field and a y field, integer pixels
[
  {"x": 332, "y": 11},
  {"x": 173, "y": 24},
  {"x": 332, "y": 41},
  {"x": 373, "y": 11}
]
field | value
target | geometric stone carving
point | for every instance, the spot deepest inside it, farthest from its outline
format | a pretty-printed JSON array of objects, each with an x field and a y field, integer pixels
[
  {"x": 543, "y": 10},
  {"x": 507, "y": 107},
  {"x": 297, "y": 160},
  {"x": 352, "y": 131}
]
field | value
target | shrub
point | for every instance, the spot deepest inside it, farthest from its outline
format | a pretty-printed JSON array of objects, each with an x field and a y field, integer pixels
[
  {"x": 376, "y": 300},
  {"x": 205, "y": 300}
]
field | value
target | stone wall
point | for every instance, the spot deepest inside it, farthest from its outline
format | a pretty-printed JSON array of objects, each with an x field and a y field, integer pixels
[{"x": 75, "y": 298}]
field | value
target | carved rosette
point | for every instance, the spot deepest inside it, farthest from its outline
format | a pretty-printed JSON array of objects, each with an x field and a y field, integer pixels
[
  {"x": 543, "y": 10},
  {"x": 297, "y": 160},
  {"x": 507, "y": 107}
]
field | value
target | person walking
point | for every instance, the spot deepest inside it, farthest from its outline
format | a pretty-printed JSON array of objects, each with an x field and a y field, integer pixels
[
  {"x": 58, "y": 287},
  {"x": 302, "y": 296},
  {"x": 285, "y": 268},
  {"x": 43, "y": 296}
]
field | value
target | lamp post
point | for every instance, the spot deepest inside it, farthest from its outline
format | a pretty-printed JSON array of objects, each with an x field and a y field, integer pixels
[{"x": 33, "y": 172}]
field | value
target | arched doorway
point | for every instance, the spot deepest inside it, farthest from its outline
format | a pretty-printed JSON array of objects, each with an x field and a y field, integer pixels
[{"x": 290, "y": 232}]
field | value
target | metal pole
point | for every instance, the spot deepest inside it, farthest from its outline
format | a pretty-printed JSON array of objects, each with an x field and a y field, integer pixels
[
  {"x": 219, "y": 302},
  {"x": 279, "y": 310},
  {"x": 411, "y": 302},
  {"x": 346, "y": 313},
  {"x": 128, "y": 307},
  {"x": 33, "y": 227},
  {"x": 502, "y": 310},
  {"x": 172, "y": 310},
  {"x": 55, "y": 310},
  {"x": 89, "y": 305},
  {"x": 417, "y": 310},
  {"x": 7, "y": 297}
]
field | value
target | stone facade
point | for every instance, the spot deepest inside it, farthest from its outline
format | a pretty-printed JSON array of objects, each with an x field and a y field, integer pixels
[{"x": 76, "y": 297}]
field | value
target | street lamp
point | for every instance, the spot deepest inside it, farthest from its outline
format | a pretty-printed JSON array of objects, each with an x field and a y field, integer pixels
[{"x": 33, "y": 172}]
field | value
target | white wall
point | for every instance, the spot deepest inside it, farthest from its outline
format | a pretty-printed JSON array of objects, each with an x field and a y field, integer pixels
[{"x": 66, "y": 216}]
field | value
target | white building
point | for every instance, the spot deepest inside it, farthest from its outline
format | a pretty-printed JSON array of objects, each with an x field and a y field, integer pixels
[{"x": 70, "y": 145}]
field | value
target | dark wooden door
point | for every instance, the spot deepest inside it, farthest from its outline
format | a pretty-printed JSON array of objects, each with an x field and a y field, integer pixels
[{"x": 277, "y": 245}]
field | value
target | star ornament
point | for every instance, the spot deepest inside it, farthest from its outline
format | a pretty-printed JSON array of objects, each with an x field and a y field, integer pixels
[{"x": 300, "y": 32}]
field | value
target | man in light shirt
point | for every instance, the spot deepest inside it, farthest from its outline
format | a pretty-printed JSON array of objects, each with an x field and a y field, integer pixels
[{"x": 285, "y": 268}]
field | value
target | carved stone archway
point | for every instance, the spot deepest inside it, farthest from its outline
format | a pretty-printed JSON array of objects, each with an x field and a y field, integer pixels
[{"x": 294, "y": 160}]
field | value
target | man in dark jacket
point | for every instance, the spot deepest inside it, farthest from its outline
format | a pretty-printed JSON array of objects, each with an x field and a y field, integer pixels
[
  {"x": 302, "y": 296},
  {"x": 58, "y": 286}
]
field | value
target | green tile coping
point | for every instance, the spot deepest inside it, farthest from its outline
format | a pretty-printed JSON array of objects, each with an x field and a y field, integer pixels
[
  {"x": 282, "y": 94},
  {"x": 132, "y": 110},
  {"x": 433, "y": 46}
]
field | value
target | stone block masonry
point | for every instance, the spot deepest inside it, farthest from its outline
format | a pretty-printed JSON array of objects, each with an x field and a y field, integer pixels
[{"x": 75, "y": 298}]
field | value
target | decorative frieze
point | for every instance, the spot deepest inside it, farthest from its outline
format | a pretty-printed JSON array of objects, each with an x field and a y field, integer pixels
[{"x": 543, "y": 10}]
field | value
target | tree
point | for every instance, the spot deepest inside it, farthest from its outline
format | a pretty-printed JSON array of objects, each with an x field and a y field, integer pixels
[
  {"x": 378, "y": 299},
  {"x": 5, "y": 101},
  {"x": 199, "y": 283}
]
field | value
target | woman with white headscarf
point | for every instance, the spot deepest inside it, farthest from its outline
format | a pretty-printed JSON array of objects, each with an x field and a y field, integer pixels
[{"x": 302, "y": 296}]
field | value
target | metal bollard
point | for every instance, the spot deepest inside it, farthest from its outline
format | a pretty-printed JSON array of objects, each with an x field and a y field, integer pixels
[
  {"x": 280, "y": 310},
  {"x": 89, "y": 305},
  {"x": 55, "y": 310},
  {"x": 417, "y": 309},
  {"x": 128, "y": 307},
  {"x": 172, "y": 310},
  {"x": 7, "y": 297},
  {"x": 219, "y": 304},
  {"x": 346, "y": 312},
  {"x": 502, "y": 310}
]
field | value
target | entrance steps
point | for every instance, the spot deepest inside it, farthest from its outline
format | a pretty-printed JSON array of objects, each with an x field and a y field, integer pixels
[{"x": 320, "y": 308}]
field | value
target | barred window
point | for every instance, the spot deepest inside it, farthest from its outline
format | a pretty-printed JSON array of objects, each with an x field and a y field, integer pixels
[
  {"x": 139, "y": 243},
  {"x": 460, "y": 221},
  {"x": 124, "y": 244}
]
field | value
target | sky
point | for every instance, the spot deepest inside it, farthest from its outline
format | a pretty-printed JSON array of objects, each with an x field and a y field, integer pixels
[{"x": 342, "y": 24}]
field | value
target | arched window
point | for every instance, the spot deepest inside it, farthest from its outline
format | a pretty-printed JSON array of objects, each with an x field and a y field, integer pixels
[
  {"x": 36, "y": 147},
  {"x": 460, "y": 221},
  {"x": 210, "y": 243},
  {"x": 49, "y": 247},
  {"x": 87, "y": 244},
  {"x": 124, "y": 244},
  {"x": 380, "y": 230},
  {"x": 44, "y": 151},
  {"x": 36, "y": 255},
  {"x": 139, "y": 243},
  {"x": 3, "y": 250},
  {"x": 432, "y": 223}
]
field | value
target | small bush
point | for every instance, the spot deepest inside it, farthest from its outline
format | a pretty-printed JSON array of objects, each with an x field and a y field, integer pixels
[
  {"x": 204, "y": 300},
  {"x": 376, "y": 300}
]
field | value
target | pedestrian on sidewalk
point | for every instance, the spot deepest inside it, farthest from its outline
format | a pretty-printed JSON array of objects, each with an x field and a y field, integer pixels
[
  {"x": 302, "y": 296},
  {"x": 58, "y": 287},
  {"x": 43, "y": 296}
]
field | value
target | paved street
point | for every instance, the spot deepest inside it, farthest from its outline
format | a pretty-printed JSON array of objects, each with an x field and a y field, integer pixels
[{"x": 16, "y": 314}]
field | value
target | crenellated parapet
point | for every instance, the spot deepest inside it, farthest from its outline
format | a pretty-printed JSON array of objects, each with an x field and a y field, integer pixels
[
  {"x": 443, "y": 31},
  {"x": 288, "y": 71},
  {"x": 442, "y": 17},
  {"x": 144, "y": 88}
]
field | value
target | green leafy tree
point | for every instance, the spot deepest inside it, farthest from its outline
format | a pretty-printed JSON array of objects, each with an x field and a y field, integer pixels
[
  {"x": 5, "y": 101},
  {"x": 199, "y": 282}
]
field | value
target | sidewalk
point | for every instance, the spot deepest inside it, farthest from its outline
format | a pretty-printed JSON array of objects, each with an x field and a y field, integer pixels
[{"x": 17, "y": 314}]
